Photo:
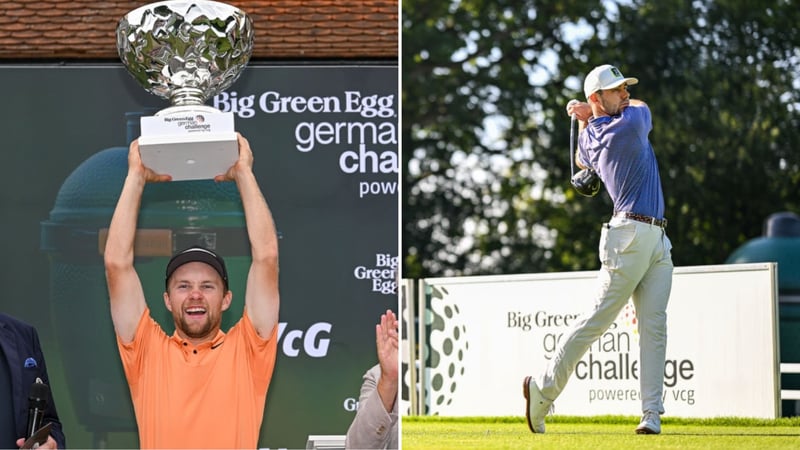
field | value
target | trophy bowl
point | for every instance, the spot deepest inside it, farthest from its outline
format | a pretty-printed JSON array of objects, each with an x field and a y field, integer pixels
[{"x": 185, "y": 51}]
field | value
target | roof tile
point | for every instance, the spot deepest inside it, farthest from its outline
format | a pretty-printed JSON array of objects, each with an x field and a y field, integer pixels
[{"x": 323, "y": 29}]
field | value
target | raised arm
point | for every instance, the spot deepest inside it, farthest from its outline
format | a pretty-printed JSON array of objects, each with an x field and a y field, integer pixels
[
  {"x": 387, "y": 342},
  {"x": 124, "y": 287},
  {"x": 262, "y": 300}
]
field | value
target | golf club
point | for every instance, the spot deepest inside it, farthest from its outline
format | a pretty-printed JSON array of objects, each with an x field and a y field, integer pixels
[{"x": 586, "y": 181}]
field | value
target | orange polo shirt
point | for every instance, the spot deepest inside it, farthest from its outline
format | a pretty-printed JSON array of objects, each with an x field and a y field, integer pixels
[{"x": 209, "y": 396}]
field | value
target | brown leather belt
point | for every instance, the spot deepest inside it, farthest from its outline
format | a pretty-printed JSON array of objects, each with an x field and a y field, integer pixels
[{"x": 640, "y": 218}]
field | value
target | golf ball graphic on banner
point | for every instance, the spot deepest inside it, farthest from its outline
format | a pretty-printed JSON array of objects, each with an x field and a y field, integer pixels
[{"x": 448, "y": 345}]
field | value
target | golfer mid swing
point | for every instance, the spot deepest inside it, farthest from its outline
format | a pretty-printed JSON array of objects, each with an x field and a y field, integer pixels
[{"x": 634, "y": 248}]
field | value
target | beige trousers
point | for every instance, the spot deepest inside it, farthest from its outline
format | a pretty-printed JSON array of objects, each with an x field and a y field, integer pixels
[{"x": 637, "y": 264}]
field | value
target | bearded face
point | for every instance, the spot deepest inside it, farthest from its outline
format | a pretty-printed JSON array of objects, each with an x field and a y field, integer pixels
[{"x": 196, "y": 297}]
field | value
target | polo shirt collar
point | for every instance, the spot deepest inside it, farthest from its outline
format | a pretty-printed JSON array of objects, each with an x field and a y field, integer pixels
[{"x": 214, "y": 343}]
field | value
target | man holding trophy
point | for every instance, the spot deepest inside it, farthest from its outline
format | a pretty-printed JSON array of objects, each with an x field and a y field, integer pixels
[{"x": 200, "y": 387}]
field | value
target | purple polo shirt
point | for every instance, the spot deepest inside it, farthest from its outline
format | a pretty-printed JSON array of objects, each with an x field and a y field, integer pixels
[{"x": 618, "y": 148}]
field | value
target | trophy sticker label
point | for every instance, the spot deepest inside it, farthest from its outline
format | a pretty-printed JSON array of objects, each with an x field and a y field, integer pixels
[
  {"x": 187, "y": 124},
  {"x": 190, "y": 124}
]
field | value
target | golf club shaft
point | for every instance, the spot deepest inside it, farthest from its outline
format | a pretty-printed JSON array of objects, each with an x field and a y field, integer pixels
[{"x": 572, "y": 146}]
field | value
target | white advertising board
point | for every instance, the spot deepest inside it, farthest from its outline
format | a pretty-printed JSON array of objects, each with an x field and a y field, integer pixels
[{"x": 486, "y": 333}]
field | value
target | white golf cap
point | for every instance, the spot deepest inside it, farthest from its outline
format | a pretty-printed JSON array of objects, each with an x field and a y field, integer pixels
[{"x": 604, "y": 77}]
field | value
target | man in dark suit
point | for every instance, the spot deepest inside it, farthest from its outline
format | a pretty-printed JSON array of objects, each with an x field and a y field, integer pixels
[{"x": 21, "y": 363}]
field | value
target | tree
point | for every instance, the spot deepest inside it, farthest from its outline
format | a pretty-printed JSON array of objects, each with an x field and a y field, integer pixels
[{"x": 485, "y": 135}]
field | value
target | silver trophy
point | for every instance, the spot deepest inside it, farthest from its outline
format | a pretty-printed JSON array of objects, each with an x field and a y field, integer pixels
[{"x": 186, "y": 52}]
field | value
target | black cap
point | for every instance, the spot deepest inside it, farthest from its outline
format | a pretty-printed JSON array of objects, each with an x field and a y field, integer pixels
[{"x": 197, "y": 254}]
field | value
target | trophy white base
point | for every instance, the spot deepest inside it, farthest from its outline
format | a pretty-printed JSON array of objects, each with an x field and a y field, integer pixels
[
  {"x": 189, "y": 157},
  {"x": 191, "y": 146}
]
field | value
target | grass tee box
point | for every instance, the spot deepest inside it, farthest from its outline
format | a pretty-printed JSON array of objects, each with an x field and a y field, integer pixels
[
  {"x": 486, "y": 333},
  {"x": 598, "y": 433}
]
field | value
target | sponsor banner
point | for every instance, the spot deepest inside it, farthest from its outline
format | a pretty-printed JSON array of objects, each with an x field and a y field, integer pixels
[
  {"x": 381, "y": 274},
  {"x": 485, "y": 334},
  {"x": 358, "y": 125}
]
